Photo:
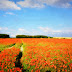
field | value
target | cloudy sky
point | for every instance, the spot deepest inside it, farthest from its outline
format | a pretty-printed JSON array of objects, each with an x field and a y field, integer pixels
[{"x": 36, "y": 17}]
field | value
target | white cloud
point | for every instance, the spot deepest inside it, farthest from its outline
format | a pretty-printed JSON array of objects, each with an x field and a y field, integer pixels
[
  {"x": 0, "y": 28},
  {"x": 8, "y": 32},
  {"x": 64, "y": 3},
  {"x": 49, "y": 30},
  {"x": 22, "y": 30},
  {"x": 42, "y": 3},
  {"x": 40, "y": 31},
  {"x": 3, "y": 28},
  {"x": 6, "y": 4},
  {"x": 57, "y": 31},
  {"x": 45, "y": 29},
  {"x": 67, "y": 31},
  {"x": 58, "y": 3},
  {"x": 4, "y": 15},
  {"x": 30, "y": 4},
  {"x": 13, "y": 35},
  {"x": 10, "y": 13}
]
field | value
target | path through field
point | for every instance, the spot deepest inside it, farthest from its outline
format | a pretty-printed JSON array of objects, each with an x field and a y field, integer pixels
[
  {"x": 21, "y": 49},
  {"x": 10, "y": 47},
  {"x": 38, "y": 55}
]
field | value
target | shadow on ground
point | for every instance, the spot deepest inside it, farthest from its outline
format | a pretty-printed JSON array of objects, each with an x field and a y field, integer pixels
[{"x": 18, "y": 63}]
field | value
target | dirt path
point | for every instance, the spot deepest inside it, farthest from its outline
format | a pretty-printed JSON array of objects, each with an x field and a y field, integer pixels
[
  {"x": 9, "y": 47},
  {"x": 21, "y": 49}
]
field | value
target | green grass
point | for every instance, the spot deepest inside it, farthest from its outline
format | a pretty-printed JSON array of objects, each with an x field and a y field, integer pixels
[
  {"x": 18, "y": 45},
  {"x": 63, "y": 37},
  {"x": 2, "y": 47}
]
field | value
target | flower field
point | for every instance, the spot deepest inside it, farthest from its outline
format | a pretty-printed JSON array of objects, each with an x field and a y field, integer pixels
[
  {"x": 7, "y": 60},
  {"x": 6, "y": 43},
  {"x": 38, "y": 55}
]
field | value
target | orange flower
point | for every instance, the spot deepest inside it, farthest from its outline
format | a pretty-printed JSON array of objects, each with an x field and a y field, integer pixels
[{"x": 32, "y": 70}]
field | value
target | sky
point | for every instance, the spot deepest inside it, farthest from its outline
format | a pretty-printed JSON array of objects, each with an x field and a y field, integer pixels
[{"x": 36, "y": 17}]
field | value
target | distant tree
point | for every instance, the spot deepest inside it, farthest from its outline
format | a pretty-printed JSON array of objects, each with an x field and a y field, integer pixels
[
  {"x": 50, "y": 37},
  {"x": 4, "y": 36},
  {"x": 29, "y": 36}
]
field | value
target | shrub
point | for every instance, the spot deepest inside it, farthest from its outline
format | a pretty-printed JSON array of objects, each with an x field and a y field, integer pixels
[
  {"x": 28, "y": 36},
  {"x": 4, "y": 36}
]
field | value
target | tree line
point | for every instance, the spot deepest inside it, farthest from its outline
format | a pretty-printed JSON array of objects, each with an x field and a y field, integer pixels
[
  {"x": 4, "y": 36},
  {"x": 29, "y": 36},
  {"x": 24, "y": 36}
]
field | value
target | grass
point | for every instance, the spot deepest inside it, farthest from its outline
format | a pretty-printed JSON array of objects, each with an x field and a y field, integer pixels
[
  {"x": 2, "y": 47},
  {"x": 63, "y": 37}
]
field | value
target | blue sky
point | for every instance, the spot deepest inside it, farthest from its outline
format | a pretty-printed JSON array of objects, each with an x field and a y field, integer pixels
[{"x": 36, "y": 17}]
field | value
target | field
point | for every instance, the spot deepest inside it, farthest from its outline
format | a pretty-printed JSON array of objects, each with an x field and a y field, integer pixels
[
  {"x": 35, "y": 55},
  {"x": 63, "y": 37}
]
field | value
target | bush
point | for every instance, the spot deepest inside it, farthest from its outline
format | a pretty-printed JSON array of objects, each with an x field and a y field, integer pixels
[
  {"x": 4, "y": 36},
  {"x": 50, "y": 37},
  {"x": 28, "y": 36}
]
